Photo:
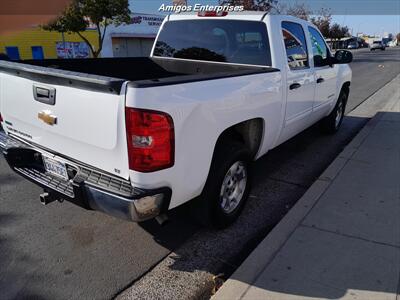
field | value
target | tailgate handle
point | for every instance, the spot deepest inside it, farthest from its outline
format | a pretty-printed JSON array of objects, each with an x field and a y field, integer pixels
[{"x": 45, "y": 95}]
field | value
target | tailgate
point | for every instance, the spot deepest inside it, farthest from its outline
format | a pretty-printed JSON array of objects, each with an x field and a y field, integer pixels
[{"x": 85, "y": 124}]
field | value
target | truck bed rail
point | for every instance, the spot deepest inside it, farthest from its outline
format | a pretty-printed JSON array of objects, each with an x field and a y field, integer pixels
[{"x": 62, "y": 77}]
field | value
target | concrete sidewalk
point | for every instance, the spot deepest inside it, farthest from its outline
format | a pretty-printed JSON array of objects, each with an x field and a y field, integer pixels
[{"x": 342, "y": 239}]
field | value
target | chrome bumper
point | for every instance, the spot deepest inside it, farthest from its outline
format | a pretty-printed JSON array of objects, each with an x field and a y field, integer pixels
[{"x": 88, "y": 188}]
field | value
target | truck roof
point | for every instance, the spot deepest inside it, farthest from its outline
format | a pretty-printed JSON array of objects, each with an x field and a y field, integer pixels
[
  {"x": 245, "y": 15},
  {"x": 248, "y": 15}
]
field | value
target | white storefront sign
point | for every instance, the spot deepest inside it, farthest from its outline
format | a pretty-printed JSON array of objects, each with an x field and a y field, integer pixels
[{"x": 142, "y": 26}]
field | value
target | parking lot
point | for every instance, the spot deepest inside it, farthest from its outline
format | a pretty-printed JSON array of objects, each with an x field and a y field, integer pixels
[{"x": 61, "y": 251}]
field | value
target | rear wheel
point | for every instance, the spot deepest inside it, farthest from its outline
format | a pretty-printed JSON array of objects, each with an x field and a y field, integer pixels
[
  {"x": 227, "y": 187},
  {"x": 332, "y": 122}
]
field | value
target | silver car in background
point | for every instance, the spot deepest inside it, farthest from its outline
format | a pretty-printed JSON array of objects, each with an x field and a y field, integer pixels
[{"x": 377, "y": 45}]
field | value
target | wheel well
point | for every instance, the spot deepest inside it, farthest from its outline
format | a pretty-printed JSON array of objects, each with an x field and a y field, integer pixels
[
  {"x": 249, "y": 132},
  {"x": 346, "y": 86}
]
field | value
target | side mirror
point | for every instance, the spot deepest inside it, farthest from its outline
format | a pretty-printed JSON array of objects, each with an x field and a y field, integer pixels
[
  {"x": 343, "y": 57},
  {"x": 319, "y": 61}
]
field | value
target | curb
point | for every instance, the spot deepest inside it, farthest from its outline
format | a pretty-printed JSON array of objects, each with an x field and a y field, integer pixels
[{"x": 251, "y": 268}]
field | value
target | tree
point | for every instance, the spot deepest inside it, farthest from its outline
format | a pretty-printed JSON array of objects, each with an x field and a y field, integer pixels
[
  {"x": 81, "y": 13},
  {"x": 179, "y": 2},
  {"x": 299, "y": 10},
  {"x": 336, "y": 32},
  {"x": 398, "y": 38},
  {"x": 323, "y": 21},
  {"x": 260, "y": 5}
]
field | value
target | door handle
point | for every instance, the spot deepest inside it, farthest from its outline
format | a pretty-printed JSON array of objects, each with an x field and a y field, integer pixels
[
  {"x": 320, "y": 80},
  {"x": 45, "y": 95},
  {"x": 294, "y": 86}
]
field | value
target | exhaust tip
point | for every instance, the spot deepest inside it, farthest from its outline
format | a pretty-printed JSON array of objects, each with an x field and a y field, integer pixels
[{"x": 162, "y": 219}]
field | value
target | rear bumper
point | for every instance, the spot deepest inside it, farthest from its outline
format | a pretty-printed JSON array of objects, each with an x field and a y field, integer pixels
[{"x": 87, "y": 187}]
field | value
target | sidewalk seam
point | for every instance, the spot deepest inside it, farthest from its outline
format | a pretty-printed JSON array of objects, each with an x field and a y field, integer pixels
[{"x": 349, "y": 236}]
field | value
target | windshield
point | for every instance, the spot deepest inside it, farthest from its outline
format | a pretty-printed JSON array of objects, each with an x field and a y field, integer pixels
[
  {"x": 242, "y": 42},
  {"x": 377, "y": 42}
]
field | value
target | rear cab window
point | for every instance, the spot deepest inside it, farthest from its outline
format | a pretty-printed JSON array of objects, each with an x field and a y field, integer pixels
[{"x": 229, "y": 41}]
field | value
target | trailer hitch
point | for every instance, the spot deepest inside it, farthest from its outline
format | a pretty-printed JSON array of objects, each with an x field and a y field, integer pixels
[{"x": 47, "y": 198}]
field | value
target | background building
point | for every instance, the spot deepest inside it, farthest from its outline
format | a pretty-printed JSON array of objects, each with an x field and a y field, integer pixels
[
  {"x": 127, "y": 40},
  {"x": 36, "y": 43},
  {"x": 135, "y": 39}
]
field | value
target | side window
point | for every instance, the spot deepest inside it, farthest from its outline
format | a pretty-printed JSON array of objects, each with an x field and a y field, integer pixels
[
  {"x": 320, "y": 50},
  {"x": 296, "y": 45}
]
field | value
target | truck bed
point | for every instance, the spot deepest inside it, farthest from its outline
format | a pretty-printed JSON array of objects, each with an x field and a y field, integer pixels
[
  {"x": 109, "y": 74},
  {"x": 89, "y": 101}
]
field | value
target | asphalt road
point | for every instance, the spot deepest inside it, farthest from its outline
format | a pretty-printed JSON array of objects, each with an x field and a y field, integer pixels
[
  {"x": 371, "y": 71},
  {"x": 61, "y": 251}
]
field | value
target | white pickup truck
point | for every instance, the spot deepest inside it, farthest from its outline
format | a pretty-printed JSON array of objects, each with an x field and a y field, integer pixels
[{"x": 136, "y": 137}]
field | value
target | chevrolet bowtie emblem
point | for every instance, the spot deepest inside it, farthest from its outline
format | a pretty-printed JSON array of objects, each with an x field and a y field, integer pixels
[{"x": 47, "y": 117}]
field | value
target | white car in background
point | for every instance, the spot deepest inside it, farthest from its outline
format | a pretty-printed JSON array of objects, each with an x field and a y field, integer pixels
[{"x": 377, "y": 45}]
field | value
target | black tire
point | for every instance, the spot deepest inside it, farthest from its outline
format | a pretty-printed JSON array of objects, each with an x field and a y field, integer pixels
[
  {"x": 208, "y": 207},
  {"x": 333, "y": 121}
]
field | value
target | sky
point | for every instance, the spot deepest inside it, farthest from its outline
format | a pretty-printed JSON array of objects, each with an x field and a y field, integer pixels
[{"x": 373, "y": 17}]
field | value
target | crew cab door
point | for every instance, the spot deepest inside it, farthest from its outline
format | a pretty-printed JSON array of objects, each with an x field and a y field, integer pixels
[
  {"x": 325, "y": 75},
  {"x": 300, "y": 78}
]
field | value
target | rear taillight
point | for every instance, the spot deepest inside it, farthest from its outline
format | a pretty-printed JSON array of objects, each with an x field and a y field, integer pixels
[{"x": 150, "y": 137}]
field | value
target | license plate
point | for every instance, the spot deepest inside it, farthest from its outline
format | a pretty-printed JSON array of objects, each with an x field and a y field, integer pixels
[{"x": 55, "y": 167}]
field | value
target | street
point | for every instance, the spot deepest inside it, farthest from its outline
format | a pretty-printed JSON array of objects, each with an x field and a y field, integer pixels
[
  {"x": 371, "y": 71},
  {"x": 61, "y": 251}
]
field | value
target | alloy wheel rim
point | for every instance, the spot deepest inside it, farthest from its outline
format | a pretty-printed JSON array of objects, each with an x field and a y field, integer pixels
[{"x": 233, "y": 187}]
